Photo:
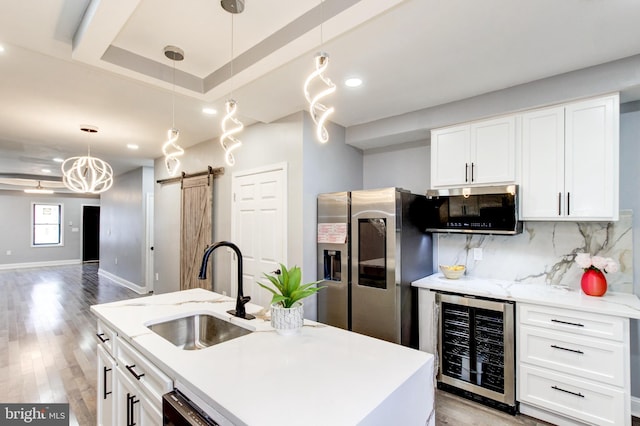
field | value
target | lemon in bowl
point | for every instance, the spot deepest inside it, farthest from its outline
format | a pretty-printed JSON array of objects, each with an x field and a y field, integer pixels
[{"x": 452, "y": 272}]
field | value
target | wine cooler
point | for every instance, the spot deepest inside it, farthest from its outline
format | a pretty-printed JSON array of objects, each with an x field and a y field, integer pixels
[{"x": 476, "y": 349}]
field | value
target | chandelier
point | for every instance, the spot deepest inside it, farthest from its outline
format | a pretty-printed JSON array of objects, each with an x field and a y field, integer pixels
[
  {"x": 170, "y": 148},
  {"x": 87, "y": 174},
  {"x": 230, "y": 124}
]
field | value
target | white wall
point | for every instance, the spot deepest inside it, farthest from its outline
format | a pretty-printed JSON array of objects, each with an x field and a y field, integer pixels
[
  {"x": 15, "y": 229},
  {"x": 404, "y": 166}
]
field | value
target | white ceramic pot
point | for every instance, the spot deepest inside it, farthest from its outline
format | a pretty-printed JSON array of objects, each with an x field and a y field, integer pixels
[{"x": 287, "y": 321}]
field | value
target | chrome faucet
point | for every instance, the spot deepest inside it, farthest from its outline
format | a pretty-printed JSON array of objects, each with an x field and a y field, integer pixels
[{"x": 241, "y": 300}]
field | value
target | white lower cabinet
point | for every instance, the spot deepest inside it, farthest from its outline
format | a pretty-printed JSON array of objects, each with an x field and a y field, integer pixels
[
  {"x": 106, "y": 371},
  {"x": 573, "y": 366},
  {"x": 130, "y": 387},
  {"x": 565, "y": 394},
  {"x": 139, "y": 389},
  {"x": 133, "y": 406},
  {"x": 106, "y": 382}
]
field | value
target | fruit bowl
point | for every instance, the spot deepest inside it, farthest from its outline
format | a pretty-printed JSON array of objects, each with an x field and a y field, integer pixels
[{"x": 453, "y": 272}]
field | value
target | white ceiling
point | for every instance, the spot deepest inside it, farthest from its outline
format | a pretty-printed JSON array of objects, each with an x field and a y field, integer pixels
[{"x": 73, "y": 62}]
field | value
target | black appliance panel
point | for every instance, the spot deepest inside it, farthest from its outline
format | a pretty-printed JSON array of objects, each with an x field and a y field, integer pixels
[{"x": 178, "y": 410}]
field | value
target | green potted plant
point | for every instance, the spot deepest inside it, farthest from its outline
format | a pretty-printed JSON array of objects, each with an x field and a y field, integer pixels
[{"x": 287, "y": 309}]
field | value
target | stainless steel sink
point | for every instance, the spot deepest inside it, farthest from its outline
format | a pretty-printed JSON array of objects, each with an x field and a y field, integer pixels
[{"x": 197, "y": 331}]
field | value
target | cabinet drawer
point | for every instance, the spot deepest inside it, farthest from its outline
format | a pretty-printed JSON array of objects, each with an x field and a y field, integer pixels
[
  {"x": 586, "y": 357},
  {"x": 107, "y": 336},
  {"x": 142, "y": 371},
  {"x": 577, "y": 322},
  {"x": 581, "y": 399}
]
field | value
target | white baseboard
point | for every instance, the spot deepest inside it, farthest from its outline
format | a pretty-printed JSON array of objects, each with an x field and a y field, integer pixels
[
  {"x": 40, "y": 264},
  {"x": 635, "y": 406},
  {"x": 119, "y": 280}
]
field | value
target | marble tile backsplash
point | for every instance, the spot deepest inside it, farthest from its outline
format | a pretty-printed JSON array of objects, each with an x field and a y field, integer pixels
[{"x": 544, "y": 252}]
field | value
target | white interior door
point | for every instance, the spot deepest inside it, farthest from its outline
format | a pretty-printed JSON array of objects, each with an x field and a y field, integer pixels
[{"x": 259, "y": 226}]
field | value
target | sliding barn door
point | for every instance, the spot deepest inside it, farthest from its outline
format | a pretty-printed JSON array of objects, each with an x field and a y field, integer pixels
[{"x": 197, "y": 196}]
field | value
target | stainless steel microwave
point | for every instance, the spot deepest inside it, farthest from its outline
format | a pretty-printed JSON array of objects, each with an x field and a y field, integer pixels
[{"x": 481, "y": 210}]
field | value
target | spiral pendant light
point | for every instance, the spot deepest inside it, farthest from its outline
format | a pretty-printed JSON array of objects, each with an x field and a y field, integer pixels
[
  {"x": 318, "y": 111},
  {"x": 170, "y": 148},
  {"x": 87, "y": 174},
  {"x": 230, "y": 124}
]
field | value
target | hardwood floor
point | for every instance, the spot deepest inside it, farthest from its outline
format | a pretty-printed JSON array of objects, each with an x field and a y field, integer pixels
[
  {"x": 454, "y": 410},
  {"x": 48, "y": 346},
  {"x": 47, "y": 336}
]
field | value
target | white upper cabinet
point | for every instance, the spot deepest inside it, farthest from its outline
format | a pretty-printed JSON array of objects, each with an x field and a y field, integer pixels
[
  {"x": 542, "y": 163},
  {"x": 570, "y": 161},
  {"x": 477, "y": 153},
  {"x": 450, "y": 153}
]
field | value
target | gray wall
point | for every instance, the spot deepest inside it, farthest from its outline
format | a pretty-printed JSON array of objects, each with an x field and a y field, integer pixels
[
  {"x": 630, "y": 199},
  {"x": 330, "y": 167},
  {"x": 123, "y": 226},
  {"x": 15, "y": 228},
  {"x": 405, "y": 166}
]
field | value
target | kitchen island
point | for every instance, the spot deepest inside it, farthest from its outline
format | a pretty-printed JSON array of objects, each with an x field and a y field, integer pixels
[{"x": 323, "y": 375}]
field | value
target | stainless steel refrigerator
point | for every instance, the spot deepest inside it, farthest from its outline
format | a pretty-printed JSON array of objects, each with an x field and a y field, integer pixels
[{"x": 370, "y": 249}]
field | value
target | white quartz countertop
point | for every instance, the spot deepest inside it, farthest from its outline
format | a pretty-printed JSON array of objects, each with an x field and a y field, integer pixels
[
  {"x": 616, "y": 304},
  {"x": 322, "y": 376}
]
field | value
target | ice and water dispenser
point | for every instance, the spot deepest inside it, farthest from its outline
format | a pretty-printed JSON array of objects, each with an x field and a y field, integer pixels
[{"x": 332, "y": 265}]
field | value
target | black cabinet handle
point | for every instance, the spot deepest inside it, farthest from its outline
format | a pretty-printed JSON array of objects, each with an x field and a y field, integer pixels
[
  {"x": 136, "y": 375},
  {"x": 104, "y": 376},
  {"x": 568, "y": 323},
  {"x": 131, "y": 401},
  {"x": 472, "y": 166},
  {"x": 566, "y": 391},
  {"x": 567, "y": 349},
  {"x": 559, "y": 203},
  {"x": 102, "y": 339},
  {"x": 568, "y": 203},
  {"x": 128, "y": 409},
  {"x": 466, "y": 172}
]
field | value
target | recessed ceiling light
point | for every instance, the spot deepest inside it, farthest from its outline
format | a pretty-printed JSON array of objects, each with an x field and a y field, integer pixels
[
  {"x": 132, "y": 146},
  {"x": 209, "y": 111},
  {"x": 58, "y": 160},
  {"x": 46, "y": 170},
  {"x": 353, "y": 82},
  {"x": 1, "y": 48}
]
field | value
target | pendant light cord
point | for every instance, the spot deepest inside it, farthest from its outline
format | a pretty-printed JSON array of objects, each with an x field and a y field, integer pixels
[
  {"x": 173, "y": 97},
  {"x": 231, "y": 63},
  {"x": 321, "y": 22}
]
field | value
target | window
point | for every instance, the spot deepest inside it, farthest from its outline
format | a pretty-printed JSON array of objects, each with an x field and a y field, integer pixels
[{"x": 47, "y": 224}]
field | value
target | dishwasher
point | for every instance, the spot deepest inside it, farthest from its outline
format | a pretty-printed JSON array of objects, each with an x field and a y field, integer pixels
[
  {"x": 476, "y": 347},
  {"x": 178, "y": 410}
]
